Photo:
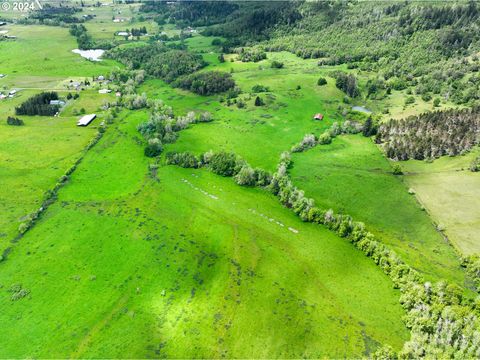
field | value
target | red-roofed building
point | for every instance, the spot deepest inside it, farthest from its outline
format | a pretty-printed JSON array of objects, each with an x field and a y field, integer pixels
[{"x": 318, "y": 116}]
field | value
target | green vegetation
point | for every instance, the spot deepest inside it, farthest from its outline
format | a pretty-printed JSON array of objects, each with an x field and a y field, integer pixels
[
  {"x": 14, "y": 121},
  {"x": 447, "y": 189},
  {"x": 39, "y": 105},
  {"x": 205, "y": 269},
  {"x": 174, "y": 217},
  {"x": 206, "y": 83},
  {"x": 351, "y": 176},
  {"x": 158, "y": 60},
  {"x": 431, "y": 135}
]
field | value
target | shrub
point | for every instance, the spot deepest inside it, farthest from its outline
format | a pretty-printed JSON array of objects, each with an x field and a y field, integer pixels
[
  {"x": 254, "y": 55},
  {"x": 14, "y": 121},
  {"x": 154, "y": 148},
  {"x": 185, "y": 160},
  {"x": 475, "y": 164},
  {"x": 397, "y": 169},
  {"x": 223, "y": 163},
  {"x": 307, "y": 142},
  {"x": 259, "y": 101},
  {"x": 246, "y": 176},
  {"x": 277, "y": 64},
  {"x": 322, "y": 81},
  {"x": 325, "y": 138},
  {"x": 260, "y": 88},
  {"x": 347, "y": 83}
]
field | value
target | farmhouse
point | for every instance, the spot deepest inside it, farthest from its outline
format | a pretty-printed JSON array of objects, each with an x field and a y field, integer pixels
[
  {"x": 85, "y": 120},
  {"x": 2, "y": 96},
  {"x": 318, "y": 116},
  {"x": 12, "y": 92},
  {"x": 123, "y": 33},
  {"x": 104, "y": 91},
  {"x": 57, "y": 102}
]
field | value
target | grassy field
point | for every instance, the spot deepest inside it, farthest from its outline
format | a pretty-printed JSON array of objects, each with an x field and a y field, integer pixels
[
  {"x": 352, "y": 176},
  {"x": 188, "y": 275},
  {"x": 285, "y": 119},
  {"x": 450, "y": 192},
  {"x": 187, "y": 264},
  {"x": 43, "y": 54},
  {"x": 34, "y": 156}
]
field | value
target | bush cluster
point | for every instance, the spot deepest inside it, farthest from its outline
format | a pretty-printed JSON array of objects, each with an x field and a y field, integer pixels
[
  {"x": 206, "y": 83},
  {"x": 251, "y": 55},
  {"x": 162, "y": 127},
  {"x": 14, "y": 121}
]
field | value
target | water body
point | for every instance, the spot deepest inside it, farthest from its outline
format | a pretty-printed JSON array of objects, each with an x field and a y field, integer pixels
[
  {"x": 361, "y": 109},
  {"x": 93, "y": 55}
]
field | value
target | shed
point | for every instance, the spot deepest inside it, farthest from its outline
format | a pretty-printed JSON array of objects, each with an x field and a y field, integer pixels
[
  {"x": 87, "y": 119},
  {"x": 12, "y": 92},
  {"x": 57, "y": 102},
  {"x": 318, "y": 116},
  {"x": 104, "y": 91}
]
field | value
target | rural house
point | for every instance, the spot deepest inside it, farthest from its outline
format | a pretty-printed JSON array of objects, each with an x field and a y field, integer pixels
[{"x": 318, "y": 116}]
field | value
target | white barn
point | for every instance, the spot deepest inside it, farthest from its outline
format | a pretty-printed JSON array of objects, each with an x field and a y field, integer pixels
[{"x": 87, "y": 119}]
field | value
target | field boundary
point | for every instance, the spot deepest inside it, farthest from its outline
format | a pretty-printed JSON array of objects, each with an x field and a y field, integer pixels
[{"x": 50, "y": 196}]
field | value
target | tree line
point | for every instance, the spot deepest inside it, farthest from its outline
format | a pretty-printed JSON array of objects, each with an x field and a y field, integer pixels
[
  {"x": 443, "y": 323},
  {"x": 431, "y": 135},
  {"x": 39, "y": 105}
]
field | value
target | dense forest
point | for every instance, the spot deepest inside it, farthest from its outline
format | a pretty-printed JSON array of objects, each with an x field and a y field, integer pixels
[
  {"x": 206, "y": 83},
  {"x": 431, "y": 135},
  {"x": 39, "y": 105},
  {"x": 194, "y": 13},
  {"x": 430, "y": 48},
  {"x": 159, "y": 60}
]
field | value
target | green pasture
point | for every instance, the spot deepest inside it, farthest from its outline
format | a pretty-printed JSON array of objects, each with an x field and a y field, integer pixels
[
  {"x": 43, "y": 54},
  {"x": 273, "y": 128},
  {"x": 352, "y": 176},
  {"x": 188, "y": 275},
  {"x": 450, "y": 192}
]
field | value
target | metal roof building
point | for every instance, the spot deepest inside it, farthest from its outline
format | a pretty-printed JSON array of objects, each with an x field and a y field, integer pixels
[{"x": 85, "y": 120}]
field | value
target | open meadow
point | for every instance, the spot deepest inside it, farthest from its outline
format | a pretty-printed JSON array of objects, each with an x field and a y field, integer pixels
[
  {"x": 450, "y": 192},
  {"x": 351, "y": 176},
  {"x": 186, "y": 273}
]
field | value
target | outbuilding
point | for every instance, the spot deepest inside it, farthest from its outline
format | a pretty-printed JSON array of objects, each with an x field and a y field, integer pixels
[
  {"x": 318, "y": 116},
  {"x": 87, "y": 119}
]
